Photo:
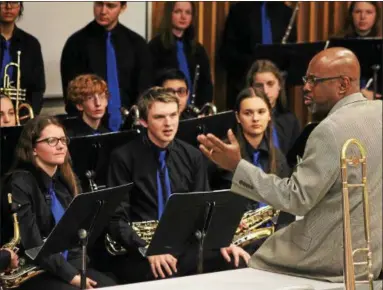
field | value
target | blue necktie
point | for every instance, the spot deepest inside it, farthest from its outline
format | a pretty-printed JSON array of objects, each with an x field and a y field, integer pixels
[
  {"x": 266, "y": 26},
  {"x": 57, "y": 210},
  {"x": 6, "y": 60},
  {"x": 275, "y": 138},
  {"x": 163, "y": 183},
  {"x": 114, "y": 103},
  {"x": 183, "y": 63}
]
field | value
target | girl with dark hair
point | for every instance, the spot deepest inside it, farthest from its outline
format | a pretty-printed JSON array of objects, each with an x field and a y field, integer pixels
[
  {"x": 176, "y": 47},
  {"x": 254, "y": 135},
  {"x": 265, "y": 75},
  {"x": 43, "y": 184},
  {"x": 7, "y": 112},
  {"x": 363, "y": 20},
  {"x": 13, "y": 40}
]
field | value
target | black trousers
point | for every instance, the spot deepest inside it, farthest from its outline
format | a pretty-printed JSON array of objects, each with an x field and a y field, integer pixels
[
  {"x": 134, "y": 267},
  {"x": 47, "y": 281}
]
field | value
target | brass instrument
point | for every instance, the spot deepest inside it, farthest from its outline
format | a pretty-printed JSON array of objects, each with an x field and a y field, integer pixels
[
  {"x": 131, "y": 116},
  {"x": 17, "y": 276},
  {"x": 16, "y": 93},
  {"x": 291, "y": 23},
  {"x": 243, "y": 236},
  {"x": 249, "y": 229},
  {"x": 348, "y": 267},
  {"x": 207, "y": 109},
  {"x": 145, "y": 230}
]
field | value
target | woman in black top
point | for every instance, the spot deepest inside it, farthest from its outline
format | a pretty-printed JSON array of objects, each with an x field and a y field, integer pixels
[
  {"x": 265, "y": 74},
  {"x": 43, "y": 184},
  {"x": 14, "y": 39},
  {"x": 176, "y": 47},
  {"x": 254, "y": 134}
]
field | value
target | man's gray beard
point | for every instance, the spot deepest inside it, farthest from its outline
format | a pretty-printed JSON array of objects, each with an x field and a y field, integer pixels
[{"x": 313, "y": 108}]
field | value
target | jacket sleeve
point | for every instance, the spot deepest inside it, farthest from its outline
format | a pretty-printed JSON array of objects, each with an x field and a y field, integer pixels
[
  {"x": 230, "y": 53},
  {"x": 23, "y": 186},
  {"x": 36, "y": 87},
  {"x": 308, "y": 184},
  {"x": 204, "y": 85},
  {"x": 5, "y": 259},
  {"x": 143, "y": 70},
  {"x": 201, "y": 182},
  {"x": 119, "y": 225},
  {"x": 70, "y": 67}
]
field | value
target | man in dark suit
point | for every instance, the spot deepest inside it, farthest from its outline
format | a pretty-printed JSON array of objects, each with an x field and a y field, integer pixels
[
  {"x": 249, "y": 24},
  {"x": 112, "y": 51}
]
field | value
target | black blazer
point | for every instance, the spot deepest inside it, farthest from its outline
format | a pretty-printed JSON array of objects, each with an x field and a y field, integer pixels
[
  {"x": 32, "y": 66},
  {"x": 167, "y": 58},
  {"x": 242, "y": 32},
  {"x": 85, "y": 52}
]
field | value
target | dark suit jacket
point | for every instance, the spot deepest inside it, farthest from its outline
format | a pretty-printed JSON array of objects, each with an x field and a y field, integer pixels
[
  {"x": 242, "y": 32},
  {"x": 5, "y": 259},
  {"x": 85, "y": 52},
  {"x": 167, "y": 58},
  {"x": 32, "y": 66}
]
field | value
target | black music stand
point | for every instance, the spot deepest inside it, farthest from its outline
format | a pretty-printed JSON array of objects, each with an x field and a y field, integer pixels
[
  {"x": 83, "y": 221},
  {"x": 292, "y": 58},
  {"x": 90, "y": 155},
  {"x": 210, "y": 217},
  {"x": 218, "y": 124},
  {"x": 9, "y": 139}
]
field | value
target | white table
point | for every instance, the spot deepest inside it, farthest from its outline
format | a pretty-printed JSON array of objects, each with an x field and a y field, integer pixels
[{"x": 242, "y": 279}]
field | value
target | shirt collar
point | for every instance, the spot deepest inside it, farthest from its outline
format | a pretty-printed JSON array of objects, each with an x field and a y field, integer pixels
[
  {"x": 263, "y": 148},
  {"x": 357, "y": 97}
]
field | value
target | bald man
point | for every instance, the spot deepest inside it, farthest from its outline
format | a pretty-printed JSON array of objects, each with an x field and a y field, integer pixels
[{"x": 313, "y": 247}]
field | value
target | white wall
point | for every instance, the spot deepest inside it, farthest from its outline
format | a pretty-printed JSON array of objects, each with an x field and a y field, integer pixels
[{"x": 53, "y": 22}]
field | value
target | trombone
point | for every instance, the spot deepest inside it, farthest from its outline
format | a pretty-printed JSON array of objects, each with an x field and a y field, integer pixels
[
  {"x": 16, "y": 93},
  {"x": 348, "y": 267}
]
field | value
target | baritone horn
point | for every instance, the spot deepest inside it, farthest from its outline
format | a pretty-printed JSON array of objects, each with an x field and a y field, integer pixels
[
  {"x": 16, "y": 93},
  {"x": 348, "y": 266}
]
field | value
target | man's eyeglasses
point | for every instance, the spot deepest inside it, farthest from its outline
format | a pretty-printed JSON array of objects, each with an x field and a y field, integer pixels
[
  {"x": 313, "y": 80},
  {"x": 53, "y": 141},
  {"x": 182, "y": 92},
  {"x": 12, "y": 4}
]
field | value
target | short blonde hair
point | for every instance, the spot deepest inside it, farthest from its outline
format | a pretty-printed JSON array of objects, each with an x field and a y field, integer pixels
[
  {"x": 85, "y": 85},
  {"x": 154, "y": 94}
]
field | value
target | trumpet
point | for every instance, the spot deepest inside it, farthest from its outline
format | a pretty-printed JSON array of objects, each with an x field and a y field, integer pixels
[
  {"x": 348, "y": 267},
  {"x": 16, "y": 93}
]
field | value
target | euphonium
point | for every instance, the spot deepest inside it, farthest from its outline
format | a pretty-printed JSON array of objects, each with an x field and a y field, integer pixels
[
  {"x": 16, "y": 93},
  {"x": 348, "y": 267},
  {"x": 16, "y": 277},
  {"x": 243, "y": 236}
]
